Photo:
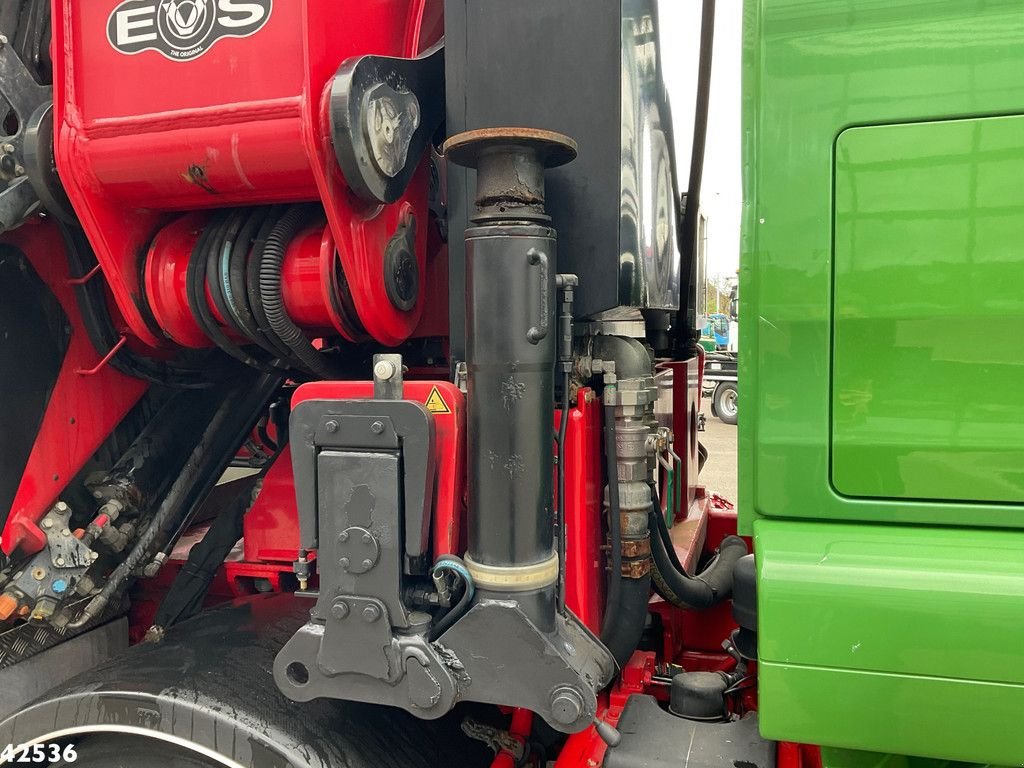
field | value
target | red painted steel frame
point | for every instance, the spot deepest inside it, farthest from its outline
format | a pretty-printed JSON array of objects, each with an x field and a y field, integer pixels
[
  {"x": 87, "y": 402},
  {"x": 584, "y": 568},
  {"x": 139, "y": 136}
]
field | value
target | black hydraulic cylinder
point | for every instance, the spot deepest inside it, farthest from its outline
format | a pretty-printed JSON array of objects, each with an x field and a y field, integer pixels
[
  {"x": 510, "y": 295},
  {"x": 510, "y": 356}
]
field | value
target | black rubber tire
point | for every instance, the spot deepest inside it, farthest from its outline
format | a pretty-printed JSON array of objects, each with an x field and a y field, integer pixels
[
  {"x": 209, "y": 687},
  {"x": 116, "y": 750},
  {"x": 724, "y": 402}
]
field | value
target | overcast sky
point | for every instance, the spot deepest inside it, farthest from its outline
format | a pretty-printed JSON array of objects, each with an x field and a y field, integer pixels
[{"x": 721, "y": 198}]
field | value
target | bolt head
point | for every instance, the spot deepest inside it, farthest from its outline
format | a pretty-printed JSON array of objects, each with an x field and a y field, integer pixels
[
  {"x": 94, "y": 555},
  {"x": 3, "y": 40},
  {"x": 47, "y": 523},
  {"x": 566, "y": 705},
  {"x": 62, "y": 507},
  {"x": 65, "y": 532},
  {"x": 344, "y": 563},
  {"x": 59, "y": 561},
  {"x": 367, "y": 538},
  {"x": 331, "y": 426},
  {"x": 38, "y": 574},
  {"x": 384, "y": 370},
  {"x": 377, "y": 427},
  {"x": 343, "y": 536},
  {"x": 367, "y": 564},
  {"x": 340, "y": 610},
  {"x": 371, "y": 613}
]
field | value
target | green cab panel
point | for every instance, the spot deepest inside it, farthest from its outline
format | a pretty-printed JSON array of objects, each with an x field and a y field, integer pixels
[
  {"x": 881, "y": 444},
  {"x": 928, "y": 318},
  {"x": 850, "y": 758},
  {"x": 892, "y": 639},
  {"x": 882, "y": 254}
]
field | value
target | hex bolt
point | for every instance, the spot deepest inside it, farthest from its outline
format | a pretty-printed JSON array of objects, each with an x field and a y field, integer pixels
[
  {"x": 566, "y": 705},
  {"x": 344, "y": 563},
  {"x": 331, "y": 426},
  {"x": 65, "y": 532},
  {"x": 371, "y": 613},
  {"x": 384, "y": 370},
  {"x": 47, "y": 523},
  {"x": 8, "y": 149},
  {"x": 367, "y": 538},
  {"x": 340, "y": 610},
  {"x": 59, "y": 561},
  {"x": 3, "y": 40},
  {"x": 94, "y": 555},
  {"x": 377, "y": 427},
  {"x": 19, "y": 170},
  {"x": 62, "y": 507},
  {"x": 343, "y": 536},
  {"x": 367, "y": 564}
]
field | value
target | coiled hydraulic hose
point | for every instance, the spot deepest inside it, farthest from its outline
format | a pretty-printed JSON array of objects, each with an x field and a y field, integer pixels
[
  {"x": 223, "y": 228},
  {"x": 283, "y": 327}
]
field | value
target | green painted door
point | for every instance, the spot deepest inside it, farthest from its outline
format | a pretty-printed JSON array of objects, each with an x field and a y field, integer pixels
[{"x": 928, "y": 311}]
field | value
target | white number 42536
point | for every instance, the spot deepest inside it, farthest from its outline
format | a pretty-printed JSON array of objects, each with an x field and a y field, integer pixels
[{"x": 38, "y": 754}]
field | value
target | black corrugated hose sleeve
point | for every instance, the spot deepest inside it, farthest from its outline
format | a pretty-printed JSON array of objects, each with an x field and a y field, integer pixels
[
  {"x": 281, "y": 324},
  {"x": 709, "y": 587}
]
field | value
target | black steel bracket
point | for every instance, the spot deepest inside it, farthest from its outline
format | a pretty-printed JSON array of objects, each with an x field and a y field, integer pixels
[{"x": 384, "y": 112}]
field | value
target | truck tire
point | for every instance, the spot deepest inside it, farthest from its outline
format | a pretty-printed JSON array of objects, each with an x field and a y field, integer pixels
[
  {"x": 205, "y": 697},
  {"x": 724, "y": 402}
]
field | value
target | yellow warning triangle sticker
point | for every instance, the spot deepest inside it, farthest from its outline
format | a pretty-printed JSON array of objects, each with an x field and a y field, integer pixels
[{"x": 435, "y": 403}]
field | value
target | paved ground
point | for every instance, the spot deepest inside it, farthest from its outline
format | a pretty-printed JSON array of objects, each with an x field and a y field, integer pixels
[{"x": 719, "y": 475}]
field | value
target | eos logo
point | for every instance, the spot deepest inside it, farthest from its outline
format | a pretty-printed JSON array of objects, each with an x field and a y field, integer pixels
[{"x": 183, "y": 29}]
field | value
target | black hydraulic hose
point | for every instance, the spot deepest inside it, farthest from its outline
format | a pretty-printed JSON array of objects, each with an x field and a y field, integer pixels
[
  {"x": 688, "y": 227},
  {"x": 457, "y": 566},
  {"x": 220, "y": 228},
  {"x": 700, "y": 124},
  {"x": 629, "y": 616},
  {"x": 232, "y": 422},
  {"x": 709, "y": 587},
  {"x": 614, "y": 524},
  {"x": 281, "y": 324},
  {"x": 234, "y": 275}
]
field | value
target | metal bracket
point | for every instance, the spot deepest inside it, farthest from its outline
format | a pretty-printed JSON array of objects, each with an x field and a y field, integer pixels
[
  {"x": 26, "y": 156},
  {"x": 388, "y": 377},
  {"x": 388, "y": 425},
  {"x": 384, "y": 111}
]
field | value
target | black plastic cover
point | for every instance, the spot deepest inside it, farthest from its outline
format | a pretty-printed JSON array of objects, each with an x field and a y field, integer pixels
[{"x": 652, "y": 738}]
